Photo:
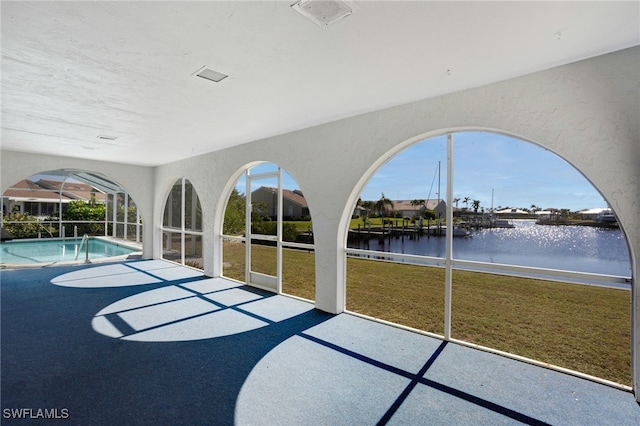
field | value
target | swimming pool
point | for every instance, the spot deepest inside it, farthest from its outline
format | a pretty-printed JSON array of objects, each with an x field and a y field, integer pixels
[{"x": 41, "y": 251}]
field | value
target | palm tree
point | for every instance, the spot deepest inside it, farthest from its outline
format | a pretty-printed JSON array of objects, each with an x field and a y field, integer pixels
[
  {"x": 381, "y": 205},
  {"x": 476, "y": 205},
  {"x": 455, "y": 201},
  {"x": 466, "y": 202},
  {"x": 419, "y": 202}
]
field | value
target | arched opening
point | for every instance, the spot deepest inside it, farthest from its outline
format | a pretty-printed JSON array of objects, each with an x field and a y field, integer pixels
[
  {"x": 182, "y": 225},
  {"x": 72, "y": 206},
  {"x": 276, "y": 251},
  {"x": 493, "y": 241}
]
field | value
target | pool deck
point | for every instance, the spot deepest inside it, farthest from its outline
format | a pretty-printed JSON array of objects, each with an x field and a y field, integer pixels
[{"x": 150, "y": 342}]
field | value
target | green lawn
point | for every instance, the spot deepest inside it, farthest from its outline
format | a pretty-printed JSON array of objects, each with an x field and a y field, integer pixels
[
  {"x": 580, "y": 327},
  {"x": 301, "y": 225}
]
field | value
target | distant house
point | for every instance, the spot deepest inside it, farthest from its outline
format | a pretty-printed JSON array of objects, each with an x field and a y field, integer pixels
[
  {"x": 293, "y": 202},
  {"x": 600, "y": 215},
  {"x": 544, "y": 214},
  {"x": 404, "y": 208},
  {"x": 509, "y": 211},
  {"x": 360, "y": 211},
  {"x": 73, "y": 190},
  {"x": 43, "y": 198}
]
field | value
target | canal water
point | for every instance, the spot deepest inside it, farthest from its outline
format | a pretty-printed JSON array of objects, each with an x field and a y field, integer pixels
[{"x": 571, "y": 248}]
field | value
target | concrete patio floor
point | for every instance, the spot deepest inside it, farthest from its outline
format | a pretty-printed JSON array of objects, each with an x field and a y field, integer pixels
[{"x": 150, "y": 342}]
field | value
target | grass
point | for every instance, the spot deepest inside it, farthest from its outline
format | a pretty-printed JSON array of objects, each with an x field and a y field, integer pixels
[
  {"x": 580, "y": 327},
  {"x": 375, "y": 222},
  {"x": 301, "y": 225},
  {"x": 298, "y": 274}
]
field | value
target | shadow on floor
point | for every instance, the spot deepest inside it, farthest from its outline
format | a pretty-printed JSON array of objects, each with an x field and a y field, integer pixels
[{"x": 150, "y": 342}]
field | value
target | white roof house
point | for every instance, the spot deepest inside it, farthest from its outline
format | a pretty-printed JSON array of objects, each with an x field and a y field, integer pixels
[
  {"x": 594, "y": 212},
  {"x": 43, "y": 197},
  {"x": 603, "y": 214},
  {"x": 406, "y": 209},
  {"x": 510, "y": 211}
]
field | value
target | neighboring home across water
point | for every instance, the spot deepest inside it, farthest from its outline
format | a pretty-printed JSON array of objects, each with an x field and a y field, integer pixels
[
  {"x": 359, "y": 211},
  {"x": 293, "y": 202},
  {"x": 544, "y": 214},
  {"x": 600, "y": 215},
  {"x": 512, "y": 213},
  {"x": 406, "y": 209},
  {"x": 44, "y": 197}
]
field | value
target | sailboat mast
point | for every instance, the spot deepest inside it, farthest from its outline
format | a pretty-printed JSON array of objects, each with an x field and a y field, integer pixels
[
  {"x": 438, "y": 181},
  {"x": 491, "y": 200},
  {"x": 438, "y": 202}
]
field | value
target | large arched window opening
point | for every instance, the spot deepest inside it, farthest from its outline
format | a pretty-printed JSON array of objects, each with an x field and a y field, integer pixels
[
  {"x": 493, "y": 241},
  {"x": 276, "y": 251},
  {"x": 71, "y": 203},
  {"x": 182, "y": 225},
  {"x": 74, "y": 207}
]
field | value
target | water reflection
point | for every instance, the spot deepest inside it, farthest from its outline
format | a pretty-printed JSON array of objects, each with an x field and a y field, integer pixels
[{"x": 573, "y": 248}]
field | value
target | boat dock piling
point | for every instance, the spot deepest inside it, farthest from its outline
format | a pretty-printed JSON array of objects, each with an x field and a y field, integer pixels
[{"x": 390, "y": 231}]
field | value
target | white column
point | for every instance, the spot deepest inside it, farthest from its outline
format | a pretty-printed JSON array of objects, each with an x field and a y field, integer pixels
[{"x": 331, "y": 270}]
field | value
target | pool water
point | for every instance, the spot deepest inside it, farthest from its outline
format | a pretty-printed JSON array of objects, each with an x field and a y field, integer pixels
[{"x": 57, "y": 250}]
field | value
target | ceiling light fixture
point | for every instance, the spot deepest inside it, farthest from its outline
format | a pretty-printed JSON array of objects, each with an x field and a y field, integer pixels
[
  {"x": 324, "y": 12},
  {"x": 210, "y": 74}
]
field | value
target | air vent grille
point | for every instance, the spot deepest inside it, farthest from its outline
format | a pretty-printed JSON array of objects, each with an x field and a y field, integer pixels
[
  {"x": 210, "y": 74},
  {"x": 324, "y": 12}
]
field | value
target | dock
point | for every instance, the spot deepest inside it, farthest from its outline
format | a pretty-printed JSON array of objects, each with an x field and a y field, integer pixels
[{"x": 395, "y": 232}]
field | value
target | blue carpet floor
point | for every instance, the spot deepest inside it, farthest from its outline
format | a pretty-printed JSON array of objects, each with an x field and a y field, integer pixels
[{"x": 149, "y": 342}]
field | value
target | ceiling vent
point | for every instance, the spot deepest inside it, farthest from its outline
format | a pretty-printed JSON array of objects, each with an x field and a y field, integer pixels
[
  {"x": 324, "y": 12},
  {"x": 210, "y": 74},
  {"x": 107, "y": 137}
]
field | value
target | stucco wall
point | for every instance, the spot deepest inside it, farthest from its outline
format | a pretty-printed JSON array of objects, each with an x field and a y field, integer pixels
[{"x": 586, "y": 112}]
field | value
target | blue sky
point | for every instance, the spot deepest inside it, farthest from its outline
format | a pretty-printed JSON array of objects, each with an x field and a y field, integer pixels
[{"x": 519, "y": 173}]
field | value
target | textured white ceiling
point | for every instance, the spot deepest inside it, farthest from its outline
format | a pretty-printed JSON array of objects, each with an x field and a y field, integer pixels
[{"x": 72, "y": 71}]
